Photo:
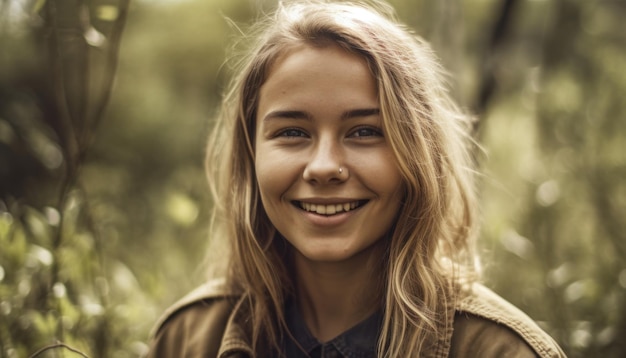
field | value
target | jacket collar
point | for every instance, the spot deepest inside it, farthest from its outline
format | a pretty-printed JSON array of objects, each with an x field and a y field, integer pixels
[
  {"x": 236, "y": 341},
  {"x": 237, "y": 335}
]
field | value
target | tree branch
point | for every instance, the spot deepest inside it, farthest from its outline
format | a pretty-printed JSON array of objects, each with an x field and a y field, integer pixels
[
  {"x": 499, "y": 33},
  {"x": 56, "y": 346}
]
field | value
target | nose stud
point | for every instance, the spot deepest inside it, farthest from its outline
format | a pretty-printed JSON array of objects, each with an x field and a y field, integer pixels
[{"x": 343, "y": 173}]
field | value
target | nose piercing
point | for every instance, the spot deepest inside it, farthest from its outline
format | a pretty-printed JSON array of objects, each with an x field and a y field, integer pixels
[{"x": 340, "y": 170}]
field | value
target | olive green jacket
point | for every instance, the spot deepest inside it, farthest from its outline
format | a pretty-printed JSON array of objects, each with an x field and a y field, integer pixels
[{"x": 208, "y": 323}]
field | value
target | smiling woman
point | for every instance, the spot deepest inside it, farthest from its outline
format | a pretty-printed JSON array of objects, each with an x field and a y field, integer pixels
[{"x": 343, "y": 173}]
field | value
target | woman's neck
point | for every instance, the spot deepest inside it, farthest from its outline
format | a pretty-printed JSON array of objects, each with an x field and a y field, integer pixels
[{"x": 335, "y": 296}]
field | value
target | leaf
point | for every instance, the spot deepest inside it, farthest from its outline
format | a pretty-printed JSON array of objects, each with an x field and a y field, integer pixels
[
  {"x": 39, "y": 4},
  {"x": 107, "y": 12},
  {"x": 36, "y": 224}
]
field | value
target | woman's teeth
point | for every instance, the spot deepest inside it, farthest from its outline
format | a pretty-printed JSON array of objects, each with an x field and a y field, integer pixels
[{"x": 329, "y": 209}]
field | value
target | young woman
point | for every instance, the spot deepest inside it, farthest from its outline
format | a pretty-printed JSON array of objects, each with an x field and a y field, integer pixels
[{"x": 343, "y": 185}]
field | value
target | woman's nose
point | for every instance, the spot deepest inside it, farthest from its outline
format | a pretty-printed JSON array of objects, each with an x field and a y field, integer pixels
[{"x": 325, "y": 165}]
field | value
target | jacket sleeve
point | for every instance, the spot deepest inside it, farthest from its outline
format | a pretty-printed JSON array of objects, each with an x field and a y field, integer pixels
[{"x": 195, "y": 330}]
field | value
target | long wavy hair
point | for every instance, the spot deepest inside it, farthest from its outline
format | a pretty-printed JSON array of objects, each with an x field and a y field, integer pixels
[{"x": 430, "y": 247}]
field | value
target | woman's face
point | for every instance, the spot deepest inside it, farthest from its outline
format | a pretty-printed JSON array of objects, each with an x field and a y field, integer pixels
[{"x": 326, "y": 174}]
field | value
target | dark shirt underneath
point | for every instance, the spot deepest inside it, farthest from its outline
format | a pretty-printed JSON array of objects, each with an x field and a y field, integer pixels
[{"x": 359, "y": 341}]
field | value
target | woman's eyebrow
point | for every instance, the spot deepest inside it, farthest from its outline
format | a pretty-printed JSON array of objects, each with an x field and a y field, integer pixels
[
  {"x": 295, "y": 114},
  {"x": 362, "y": 112},
  {"x": 288, "y": 114}
]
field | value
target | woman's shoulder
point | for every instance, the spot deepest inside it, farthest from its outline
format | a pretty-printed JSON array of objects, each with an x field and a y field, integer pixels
[
  {"x": 486, "y": 325},
  {"x": 199, "y": 318}
]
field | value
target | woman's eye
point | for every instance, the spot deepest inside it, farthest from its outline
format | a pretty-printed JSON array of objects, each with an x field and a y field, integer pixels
[
  {"x": 292, "y": 132},
  {"x": 366, "y": 132}
]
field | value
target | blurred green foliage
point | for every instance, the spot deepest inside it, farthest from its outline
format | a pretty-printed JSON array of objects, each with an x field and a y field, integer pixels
[{"x": 104, "y": 215}]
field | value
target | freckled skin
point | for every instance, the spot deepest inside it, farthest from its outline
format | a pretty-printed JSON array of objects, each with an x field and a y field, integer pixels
[{"x": 306, "y": 130}]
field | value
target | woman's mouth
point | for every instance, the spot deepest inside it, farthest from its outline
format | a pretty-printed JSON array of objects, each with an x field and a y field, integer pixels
[{"x": 329, "y": 209}]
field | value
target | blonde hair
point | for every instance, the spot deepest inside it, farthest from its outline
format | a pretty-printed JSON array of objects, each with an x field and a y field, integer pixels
[{"x": 431, "y": 245}]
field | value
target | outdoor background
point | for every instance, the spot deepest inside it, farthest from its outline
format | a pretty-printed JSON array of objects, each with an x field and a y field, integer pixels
[{"x": 103, "y": 203}]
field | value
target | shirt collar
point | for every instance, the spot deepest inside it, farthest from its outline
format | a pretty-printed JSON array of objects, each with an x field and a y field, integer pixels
[{"x": 359, "y": 341}]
